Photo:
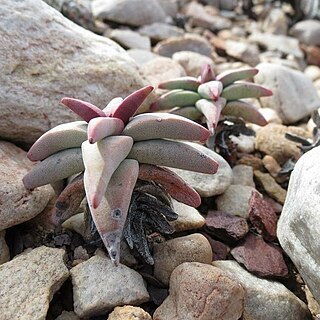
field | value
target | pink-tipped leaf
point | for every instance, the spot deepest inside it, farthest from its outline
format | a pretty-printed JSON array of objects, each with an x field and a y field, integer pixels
[
  {"x": 230, "y": 76},
  {"x": 85, "y": 110}
]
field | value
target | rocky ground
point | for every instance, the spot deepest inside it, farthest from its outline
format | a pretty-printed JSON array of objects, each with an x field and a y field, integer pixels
[{"x": 251, "y": 250}]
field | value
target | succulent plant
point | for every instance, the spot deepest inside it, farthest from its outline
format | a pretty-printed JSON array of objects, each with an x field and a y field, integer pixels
[
  {"x": 109, "y": 150},
  {"x": 211, "y": 95}
]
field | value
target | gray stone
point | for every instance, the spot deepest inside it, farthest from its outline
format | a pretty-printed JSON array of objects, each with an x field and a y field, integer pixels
[
  {"x": 99, "y": 286},
  {"x": 17, "y": 204},
  {"x": 276, "y": 22},
  {"x": 29, "y": 282},
  {"x": 244, "y": 51},
  {"x": 160, "y": 31},
  {"x": 208, "y": 185},
  {"x": 243, "y": 175},
  {"x": 299, "y": 223},
  {"x": 192, "y": 62},
  {"x": 202, "y": 292},
  {"x": 131, "y": 12},
  {"x": 170, "y": 7},
  {"x": 294, "y": 95},
  {"x": 188, "y": 42},
  {"x": 307, "y": 32},
  {"x": 170, "y": 254},
  {"x": 189, "y": 217},
  {"x": 4, "y": 249},
  {"x": 141, "y": 56},
  {"x": 46, "y": 57},
  {"x": 130, "y": 39},
  {"x": 284, "y": 44},
  {"x": 264, "y": 299},
  {"x": 235, "y": 200},
  {"x": 161, "y": 69}
]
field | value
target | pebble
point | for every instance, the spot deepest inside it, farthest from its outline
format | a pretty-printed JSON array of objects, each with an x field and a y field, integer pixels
[
  {"x": 29, "y": 282},
  {"x": 192, "y": 62},
  {"x": 99, "y": 286},
  {"x": 263, "y": 217},
  {"x": 270, "y": 115},
  {"x": 243, "y": 175},
  {"x": 129, "y": 39},
  {"x": 294, "y": 94},
  {"x": 208, "y": 185},
  {"x": 130, "y": 12},
  {"x": 271, "y": 187},
  {"x": 220, "y": 250},
  {"x": 235, "y": 200},
  {"x": 203, "y": 292},
  {"x": 170, "y": 254},
  {"x": 307, "y": 32},
  {"x": 17, "y": 204},
  {"x": 271, "y": 140},
  {"x": 170, "y": 7},
  {"x": 188, "y": 42},
  {"x": 141, "y": 56},
  {"x": 260, "y": 258},
  {"x": 129, "y": 313},
  {"x": 189, "y": 218},
  {"x": 162, "y": 69},
  {"x": 265, "y": 299},
  {"x": 276, "y": 22},
  {"x": 298, "y": 225},
  {"x": 225, "y": 226},
  {"x": 243, "y": 51},
  {"x": 312, "y": 72},
  {"x": 4, "y": 249},
  {"x": 160, "y": 31}
]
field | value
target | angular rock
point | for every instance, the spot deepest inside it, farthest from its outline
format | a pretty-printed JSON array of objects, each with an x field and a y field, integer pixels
[
  {"x": 219, "y": 249},
  {"x": 244, "y": 51},
  {"x": 294, "y": 95},
  {"x": 129, "y": 39},
  {"x": 271, "y": 140},
  {"x": 17, "y": 204},
  {"x": 189, "y": 218},
  {"x": 129, "y": 313},
  {"x": 271, "y": 187},
  {"x": 192, "y": 62},
  {"x": 200, "y": 291},
  {"x": 188, "y": 42},
  {"x": 243, "y": 175},
  {"x": 200, "y": 17},
  {"x": 4, "y": 249},
  {"x": 260, "y": 258},
  {"x": 29, "y": 282},
  {"x": 161, "y": 69},
  {"x": 265, "y": 298},
  {"x": 99, "y": 286},
  {"x": 170, "y": 254},
  {"x": 282, "y": 43},
  {"x": 160, "y": 31},
  {"x": 57, "y": 58},
  {"x": 132, "y": 12},
  {"x": 225, "y": 226},
  {"x": 263, "y": 217},
  {"x": 299, "y": 223},
  {"x": 307, "y": 32},
  {"x": 235, "y": 200},
  {"x": 208, "y": 185}
]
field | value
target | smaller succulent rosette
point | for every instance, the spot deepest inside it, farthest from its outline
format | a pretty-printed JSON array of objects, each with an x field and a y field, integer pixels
[
  {"x": 109, "y": 150},
  {"x": 210, "y": 95}
]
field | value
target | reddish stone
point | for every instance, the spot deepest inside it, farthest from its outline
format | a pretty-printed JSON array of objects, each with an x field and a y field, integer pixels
[
  {"x": 263, "y": 217},
  {"x": 260, "y": 258},
  {"x": 219, "y": 250},
  {"x": 313, "y": 55},
  {"x": 225, "y": 226}
]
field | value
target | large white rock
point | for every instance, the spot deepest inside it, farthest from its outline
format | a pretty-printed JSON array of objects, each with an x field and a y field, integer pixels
[
  {"x": 264, "y": 299},
  {"x": 294, "y": 95},
  {"x": 45, "y": 57},
  {"x": 29, "y": 282},
  {"x": 299, "y": 223}
]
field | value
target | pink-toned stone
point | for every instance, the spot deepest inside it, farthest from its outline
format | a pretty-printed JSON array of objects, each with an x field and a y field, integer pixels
[
  {"x": 225, "y": 226},
  {"x": 219, "y": 250},
  {"x": 260, "y": 258},
  {"x": 202, "y": 292},
  {"x": 263, "y": 217}
]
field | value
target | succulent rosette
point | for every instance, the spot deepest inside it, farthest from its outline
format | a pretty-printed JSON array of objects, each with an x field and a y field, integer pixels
[
  {"x": 211, "y": 95},
  {"x": 109, "y": 150}
]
